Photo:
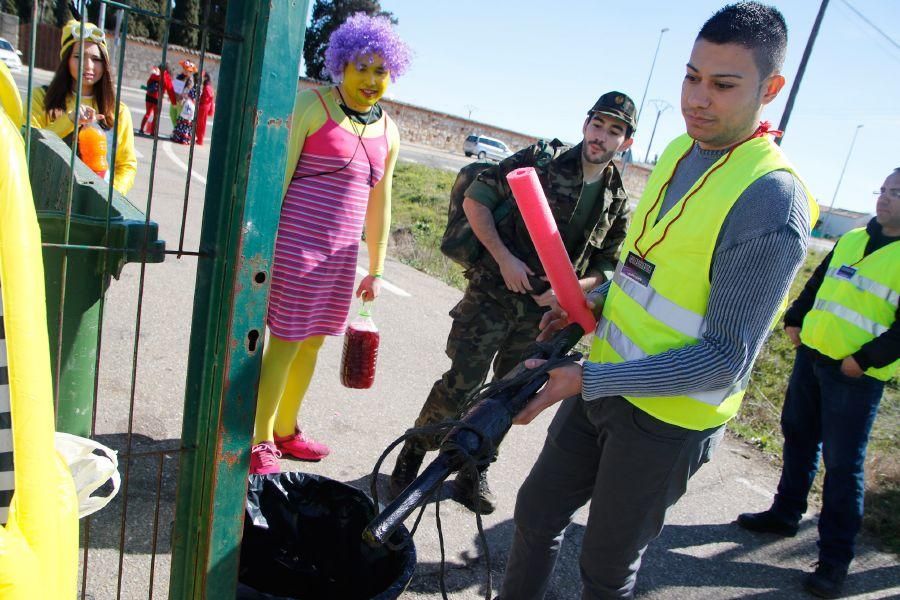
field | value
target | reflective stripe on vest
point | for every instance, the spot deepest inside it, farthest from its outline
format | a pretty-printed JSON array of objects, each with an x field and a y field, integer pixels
[
  {"x": 851, "y": 316},
  {"x": 670, "y": 312},
  {"x": 628, "y": 350},
  {"x": 661, "y": 308},
  {"x": 849, "y": 312},
  {"x": 869, "y": 285}
]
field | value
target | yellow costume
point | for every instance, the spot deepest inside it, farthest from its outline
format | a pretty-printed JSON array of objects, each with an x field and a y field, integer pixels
[
  {"x": 39, "y": 544},
  {"x": 126, "y": 160}
]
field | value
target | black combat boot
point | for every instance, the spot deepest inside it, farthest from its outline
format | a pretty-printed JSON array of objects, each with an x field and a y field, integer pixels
[
  {"x": 827, "y": 581},
  {"x": 767, "y": 522},
  {"x": 405, "y": 469},
  {"x": 474, "y": 492}
]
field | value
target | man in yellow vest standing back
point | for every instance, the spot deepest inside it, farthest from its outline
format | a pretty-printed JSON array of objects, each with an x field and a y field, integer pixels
[
  {"x": 846, "y": 328},
  {"x": 706, "y": 265}
]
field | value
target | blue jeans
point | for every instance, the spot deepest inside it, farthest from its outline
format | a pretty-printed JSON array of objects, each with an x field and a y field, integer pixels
[{"x": 829, "y": 413}]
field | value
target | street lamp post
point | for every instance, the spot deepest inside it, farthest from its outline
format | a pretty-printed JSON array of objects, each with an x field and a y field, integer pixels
[
  {"x": 650, "y": 76},
  {"x": 661, "y": 107},
  {"x": 841, "y": 176}
]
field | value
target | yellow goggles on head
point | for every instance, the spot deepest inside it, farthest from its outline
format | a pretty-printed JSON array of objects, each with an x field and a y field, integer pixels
[{"x": 73, "y": 31}]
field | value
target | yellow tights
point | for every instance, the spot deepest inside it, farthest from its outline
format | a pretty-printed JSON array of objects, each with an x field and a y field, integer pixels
[{"x": 287, "y": 368}]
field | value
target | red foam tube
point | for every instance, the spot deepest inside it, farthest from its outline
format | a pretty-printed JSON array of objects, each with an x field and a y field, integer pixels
[{"x": 526, "y": 189}]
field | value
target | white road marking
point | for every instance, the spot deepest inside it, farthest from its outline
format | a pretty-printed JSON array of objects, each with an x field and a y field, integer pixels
[
  {"x": 167, "y": 148},
  {"x": 386, "y": 285}
]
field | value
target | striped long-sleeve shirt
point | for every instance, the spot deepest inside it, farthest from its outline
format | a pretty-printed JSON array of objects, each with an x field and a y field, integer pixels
[
  {"x": 760, "y": 248},
  {"x": 6, "y": 438}
]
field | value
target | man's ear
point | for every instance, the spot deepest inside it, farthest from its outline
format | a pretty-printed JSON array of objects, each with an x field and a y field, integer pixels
[
  {"x": 772, "y": 87},
  {"x": 626, "y": 144}
]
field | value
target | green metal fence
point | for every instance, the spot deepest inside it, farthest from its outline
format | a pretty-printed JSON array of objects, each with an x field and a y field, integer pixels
[{"x": 161, "y": 361}]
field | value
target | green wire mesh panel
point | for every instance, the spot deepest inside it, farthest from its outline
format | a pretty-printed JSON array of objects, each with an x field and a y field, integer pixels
[{"x": 157, "y": 298}]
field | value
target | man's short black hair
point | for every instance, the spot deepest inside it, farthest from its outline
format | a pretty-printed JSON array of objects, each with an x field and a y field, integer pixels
[{"x": 755, "y": 26}]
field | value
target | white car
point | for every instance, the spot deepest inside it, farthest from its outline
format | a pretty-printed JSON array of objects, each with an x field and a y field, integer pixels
[
  {"x": 10, "y": 55},
  {"x": 484, "y": 147}
]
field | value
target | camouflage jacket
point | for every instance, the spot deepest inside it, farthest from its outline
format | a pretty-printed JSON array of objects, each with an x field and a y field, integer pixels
[{"x": 593, "y": 248}]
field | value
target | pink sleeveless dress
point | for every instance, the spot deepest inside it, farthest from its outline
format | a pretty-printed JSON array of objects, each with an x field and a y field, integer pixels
[{"x": 321, "y": 224}]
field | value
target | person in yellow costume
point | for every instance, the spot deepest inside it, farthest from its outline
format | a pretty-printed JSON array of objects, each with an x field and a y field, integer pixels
[
  {"x": 39, "y": 541},
  {"x": 53, "y": 107},
  {"x": 341, "y": 159},
  {"x": 719, "y": 233}
]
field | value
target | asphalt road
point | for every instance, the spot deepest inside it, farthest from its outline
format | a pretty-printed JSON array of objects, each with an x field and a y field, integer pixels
[{"x": 700, "y": 554}]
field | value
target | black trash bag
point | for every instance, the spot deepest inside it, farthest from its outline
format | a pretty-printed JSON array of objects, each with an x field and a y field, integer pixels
[{"x": 303, "y": 540}]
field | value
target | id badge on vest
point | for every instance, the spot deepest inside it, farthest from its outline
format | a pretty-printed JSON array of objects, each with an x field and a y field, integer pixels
[
  {"x": 845, "y": 272},
  {"x": 637, "y": 269}
]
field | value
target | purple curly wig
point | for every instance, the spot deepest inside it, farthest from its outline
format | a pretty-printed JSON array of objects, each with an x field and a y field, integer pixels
[{"x": 361, "y": 34}]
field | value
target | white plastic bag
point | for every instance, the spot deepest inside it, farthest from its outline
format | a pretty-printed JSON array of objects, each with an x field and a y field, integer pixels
[{"x": 89, "y": 470}]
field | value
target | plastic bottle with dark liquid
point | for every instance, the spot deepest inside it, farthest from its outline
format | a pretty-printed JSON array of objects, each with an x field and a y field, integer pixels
[{"x": 360, "y": 351}]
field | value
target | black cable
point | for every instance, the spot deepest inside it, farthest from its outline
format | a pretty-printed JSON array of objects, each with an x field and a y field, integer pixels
[
  {"x": 472, "y": 464},
  {"x": 359, "y": 143}
]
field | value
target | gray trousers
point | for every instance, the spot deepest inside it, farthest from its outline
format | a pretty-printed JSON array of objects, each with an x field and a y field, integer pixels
[{"x": 631, "y": 467}]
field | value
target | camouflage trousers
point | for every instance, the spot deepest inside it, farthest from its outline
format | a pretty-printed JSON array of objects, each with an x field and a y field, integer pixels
[{"x": 491, "y": 327}]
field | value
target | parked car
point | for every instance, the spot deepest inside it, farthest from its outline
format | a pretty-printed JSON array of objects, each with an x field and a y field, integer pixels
[
  {"x": 10, "y": 55},
  {"x": 485, "y": 147}
]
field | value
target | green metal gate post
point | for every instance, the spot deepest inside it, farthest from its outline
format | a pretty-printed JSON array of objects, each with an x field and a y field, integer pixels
[{"x": 257, "y": 87}]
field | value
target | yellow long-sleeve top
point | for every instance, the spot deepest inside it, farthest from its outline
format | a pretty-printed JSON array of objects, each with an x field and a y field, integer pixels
[
  {"x": 126, "y": 160},
  {"x": 309, "y": 115}
]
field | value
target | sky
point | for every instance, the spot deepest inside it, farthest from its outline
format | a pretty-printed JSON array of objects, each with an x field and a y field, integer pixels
[{"x": 536, "y": 67}]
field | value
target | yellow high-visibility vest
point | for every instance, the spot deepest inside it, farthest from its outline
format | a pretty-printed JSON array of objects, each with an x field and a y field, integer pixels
[
  {"x": 856, "y": 302},
  {"x": 670, "y": 311}
]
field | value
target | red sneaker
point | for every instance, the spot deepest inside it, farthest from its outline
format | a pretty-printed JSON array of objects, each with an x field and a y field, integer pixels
[
  {"x": 301, "y": 447},
  {"x": 264, "y": 459}
]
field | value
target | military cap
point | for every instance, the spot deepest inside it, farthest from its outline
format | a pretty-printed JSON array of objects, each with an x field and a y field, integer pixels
[{"x": 618, "y": 105}]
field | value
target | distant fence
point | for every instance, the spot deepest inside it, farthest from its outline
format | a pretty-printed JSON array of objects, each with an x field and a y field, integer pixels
[
  {"x": 9, "y": 28},
  {"x": 46, "y": 47}
]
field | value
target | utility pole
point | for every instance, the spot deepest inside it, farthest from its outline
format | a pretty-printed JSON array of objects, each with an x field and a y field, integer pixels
[
  {"x": 846, "y": 162},
  {"x": 785, "y": 117},
  {"x": 661, "y": 107},
  {"x": 650, "y": 76}
]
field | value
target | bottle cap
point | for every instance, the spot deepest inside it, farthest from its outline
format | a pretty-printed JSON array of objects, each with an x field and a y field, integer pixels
[{"x": 366, "y": 309}]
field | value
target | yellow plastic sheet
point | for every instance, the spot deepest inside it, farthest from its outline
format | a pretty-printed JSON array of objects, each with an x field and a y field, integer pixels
[{"x": 39, "y": 544}]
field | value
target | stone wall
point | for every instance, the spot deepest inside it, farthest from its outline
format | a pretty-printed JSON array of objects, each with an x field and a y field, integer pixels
[
  {"x": 141, "y": 54},
  {"x": 439, "y": 130},
  {"x": 635, "y": 180},
  {"x": 447, "y": 132}
]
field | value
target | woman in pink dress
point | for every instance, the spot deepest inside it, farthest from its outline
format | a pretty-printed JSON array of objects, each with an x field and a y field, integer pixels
[{"x": 341, "y": 160}]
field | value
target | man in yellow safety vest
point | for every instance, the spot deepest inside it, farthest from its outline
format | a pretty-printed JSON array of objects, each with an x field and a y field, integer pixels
[
  {"x": 716, "y": 239},
  {"x": 846, "y": 328}
]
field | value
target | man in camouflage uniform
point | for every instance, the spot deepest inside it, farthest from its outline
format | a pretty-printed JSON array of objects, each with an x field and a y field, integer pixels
[{"x": 498, "y": 316}]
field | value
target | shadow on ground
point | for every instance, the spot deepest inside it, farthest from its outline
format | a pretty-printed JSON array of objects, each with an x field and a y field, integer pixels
[
  {"x": 725, "y": 560},
  {"x": 144, "y": 522}
]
